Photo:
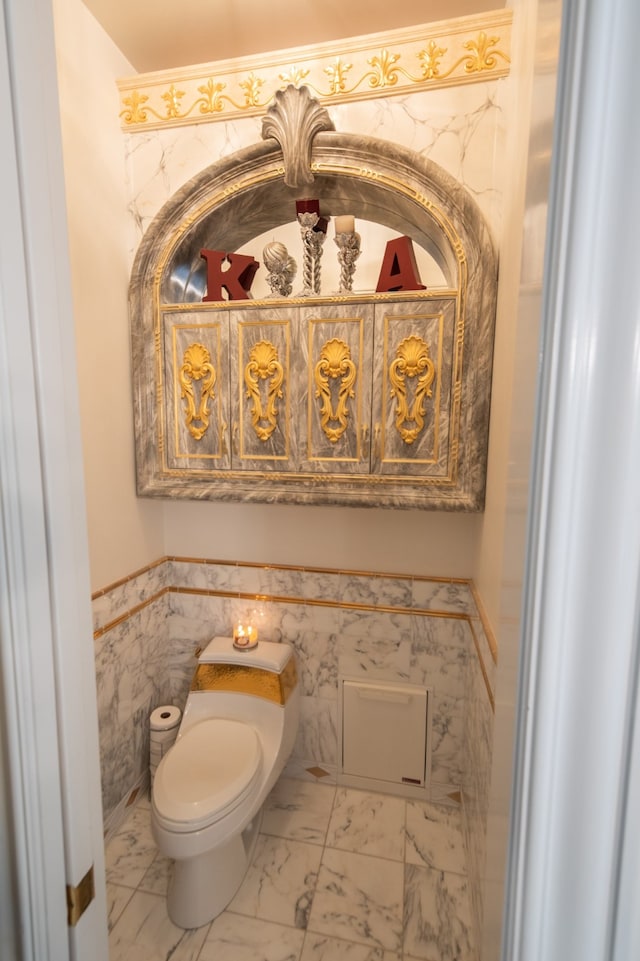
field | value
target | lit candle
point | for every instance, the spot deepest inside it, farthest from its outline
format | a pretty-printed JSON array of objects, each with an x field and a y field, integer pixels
[
  {"x": 307, "y": 206},
  {"x": 345, "y": 225},
  {"x": 245, "y": 636}
]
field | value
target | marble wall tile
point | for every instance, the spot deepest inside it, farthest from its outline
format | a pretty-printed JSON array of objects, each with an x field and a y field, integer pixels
[
  {"x": 112, "y": 603},
  {"x": 376, "y": 591},
  {"x": 317, "y": 740},
  {"x": 131, "y": 680},
  {"x": 449, "y": 596},
  {"x": 149, "y": 659}
]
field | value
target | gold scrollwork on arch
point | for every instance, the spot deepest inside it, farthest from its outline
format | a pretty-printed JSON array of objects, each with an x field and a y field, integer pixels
[
  {"x": 335, "y": 363},
  {"x": 264, "y": 365},
  {"x": 197, "y": 366},
  {"x": 412, "y": 362}
]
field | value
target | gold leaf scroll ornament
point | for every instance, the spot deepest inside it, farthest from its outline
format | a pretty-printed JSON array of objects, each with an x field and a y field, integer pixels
[
  {"x": 197, "y": 366},
  {"x": 335, "y": 362},
  {"x": 412, "y": 361},
  {"x": 264, "y": 365}
]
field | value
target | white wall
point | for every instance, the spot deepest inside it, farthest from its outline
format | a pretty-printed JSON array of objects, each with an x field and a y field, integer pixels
[
  {"x": 502, "y": 545},
  {"x": 125, "y": 533}
]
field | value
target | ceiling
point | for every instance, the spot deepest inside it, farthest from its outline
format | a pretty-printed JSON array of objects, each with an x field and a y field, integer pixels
[{"x": 164, "y": 34}]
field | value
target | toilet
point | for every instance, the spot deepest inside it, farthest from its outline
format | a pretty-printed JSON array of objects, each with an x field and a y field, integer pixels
[{"x": 237, "y": 733}]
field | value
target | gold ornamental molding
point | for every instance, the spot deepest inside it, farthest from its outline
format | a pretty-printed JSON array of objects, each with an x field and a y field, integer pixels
[
  {"x": 412, "y": 361},
  {"x": 335, "y": 364},
  {"x": 197, "y": 366},
  {"x": 264, "y": 365},
  {"x": 447, "y": 53}
]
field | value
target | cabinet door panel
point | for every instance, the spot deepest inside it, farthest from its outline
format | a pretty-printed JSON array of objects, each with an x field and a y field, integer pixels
[
  {"x": 414, "y": 410},
  {"x": 261, "y": 390},
  {"x": 195, "y": 414},
  {"x": 335, "y": 409}
]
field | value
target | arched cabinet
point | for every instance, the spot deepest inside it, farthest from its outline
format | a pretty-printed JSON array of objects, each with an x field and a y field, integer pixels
[{"x": 363, "y": 398}]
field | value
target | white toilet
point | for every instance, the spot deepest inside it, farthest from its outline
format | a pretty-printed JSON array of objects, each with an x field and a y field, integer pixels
[{"x": 236, "y": 735}]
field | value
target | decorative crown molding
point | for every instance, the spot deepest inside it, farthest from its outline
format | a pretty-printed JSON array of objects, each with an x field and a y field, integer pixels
[{"x": 448, "y": 53}]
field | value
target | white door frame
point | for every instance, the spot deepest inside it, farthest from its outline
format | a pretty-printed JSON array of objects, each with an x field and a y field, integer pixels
[
  {"x": 47, "y": 673},
  {"x": 575, "y": 859},
  {"x": 574, "y": 868}
]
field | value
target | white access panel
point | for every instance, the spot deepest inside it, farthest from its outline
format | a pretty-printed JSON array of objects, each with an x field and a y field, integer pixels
[{"x": 384, "y": 732}]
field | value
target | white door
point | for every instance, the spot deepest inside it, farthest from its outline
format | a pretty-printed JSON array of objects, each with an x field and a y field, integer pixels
[{"x": 51, "y": 812}]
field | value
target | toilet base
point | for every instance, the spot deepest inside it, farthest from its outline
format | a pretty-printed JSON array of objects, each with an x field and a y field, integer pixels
[{"x": 200, "y": 888}]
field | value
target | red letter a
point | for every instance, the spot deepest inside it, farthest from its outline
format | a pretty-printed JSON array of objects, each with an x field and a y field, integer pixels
[
  {"x": 399, "y": 270},
  {"x": 236, "y": 279}
]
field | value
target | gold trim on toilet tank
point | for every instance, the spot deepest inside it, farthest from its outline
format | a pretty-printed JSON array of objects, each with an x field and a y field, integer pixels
[{"x": 240, "y": 679}]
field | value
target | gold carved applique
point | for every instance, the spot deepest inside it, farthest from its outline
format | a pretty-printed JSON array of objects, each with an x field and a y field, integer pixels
[
  {"x": 335, "y": 364},
  {"x": 264, "y": 365},
  {"x": 412, "y": 362},
  {"x": 197, "y": 366}
]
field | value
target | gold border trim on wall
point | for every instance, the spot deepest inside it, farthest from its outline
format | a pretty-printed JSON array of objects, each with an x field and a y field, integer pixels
[
  {"x": 428, "y": 56},
  {"x": 209, "y": 562}
]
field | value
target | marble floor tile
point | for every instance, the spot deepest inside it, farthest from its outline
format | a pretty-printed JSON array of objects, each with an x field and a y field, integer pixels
[
  {"x": 156, "y": 877},
  {"x": 233, "y": 937},
  {"x": 434, "y": 837},
  {"x": 328, "y": 860},
  {"x": 359, "y": 898},
  {"x": 131, "y": 850},
  {"x": 368, "y": 823},
  {"x": 298, "y": 810},
  {"x": 117, "y": 900},
  {"x": 144, "y": 933},
  {"x": 319, "y": 947},
  {"x": 437, "y": 915},
  {"x": 280, "y": 884}
]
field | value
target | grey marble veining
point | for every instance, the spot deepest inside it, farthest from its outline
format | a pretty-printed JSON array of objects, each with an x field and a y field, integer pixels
[
  {"x": 149, "y": 657},
  {"x": 359, "y": 898},
  {"x": 437, "y": 915},
  {"x": 332, "y": 880},
  {"x": 280, "y": 882}
]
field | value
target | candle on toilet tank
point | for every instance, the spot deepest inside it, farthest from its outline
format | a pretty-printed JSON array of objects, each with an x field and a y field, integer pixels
[{"x": 245, "y": 635}]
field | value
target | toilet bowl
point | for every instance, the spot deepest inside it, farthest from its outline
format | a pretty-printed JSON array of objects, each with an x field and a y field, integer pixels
[{"x": 237, "y": 733}]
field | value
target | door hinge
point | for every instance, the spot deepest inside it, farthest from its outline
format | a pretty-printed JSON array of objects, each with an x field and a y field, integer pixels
[{"x": 79, "y": 898}]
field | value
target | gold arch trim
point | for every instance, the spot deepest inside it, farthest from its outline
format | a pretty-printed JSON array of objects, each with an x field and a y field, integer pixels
[{"x": 461, "y": 51}]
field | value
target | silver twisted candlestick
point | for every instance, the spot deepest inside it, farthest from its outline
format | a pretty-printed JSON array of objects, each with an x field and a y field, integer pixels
[
  {"x": 348, "y": 252},
  {"x": 317, "y": 240},
  {"x": 307, "y": 222}
]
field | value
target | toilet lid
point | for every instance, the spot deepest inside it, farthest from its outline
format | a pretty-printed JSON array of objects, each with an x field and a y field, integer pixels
[{"x": 207, "y": 772}]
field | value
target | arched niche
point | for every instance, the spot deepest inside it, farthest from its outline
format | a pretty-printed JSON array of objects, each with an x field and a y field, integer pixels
[{"x": 239, "y": 198}]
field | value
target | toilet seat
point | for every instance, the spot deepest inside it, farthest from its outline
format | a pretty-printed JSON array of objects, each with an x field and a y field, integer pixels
[{"x": 208, "y": 772}]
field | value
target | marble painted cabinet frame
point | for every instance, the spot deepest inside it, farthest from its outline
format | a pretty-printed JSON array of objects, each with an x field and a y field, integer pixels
[{"x": 242, "y": 197}]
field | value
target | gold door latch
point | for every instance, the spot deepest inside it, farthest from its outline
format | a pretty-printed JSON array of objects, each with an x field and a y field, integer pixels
[{"x": 79, "y": 898}]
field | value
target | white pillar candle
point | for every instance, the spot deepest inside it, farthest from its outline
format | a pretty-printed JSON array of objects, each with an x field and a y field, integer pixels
[{"x": 345, "y": 225}]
